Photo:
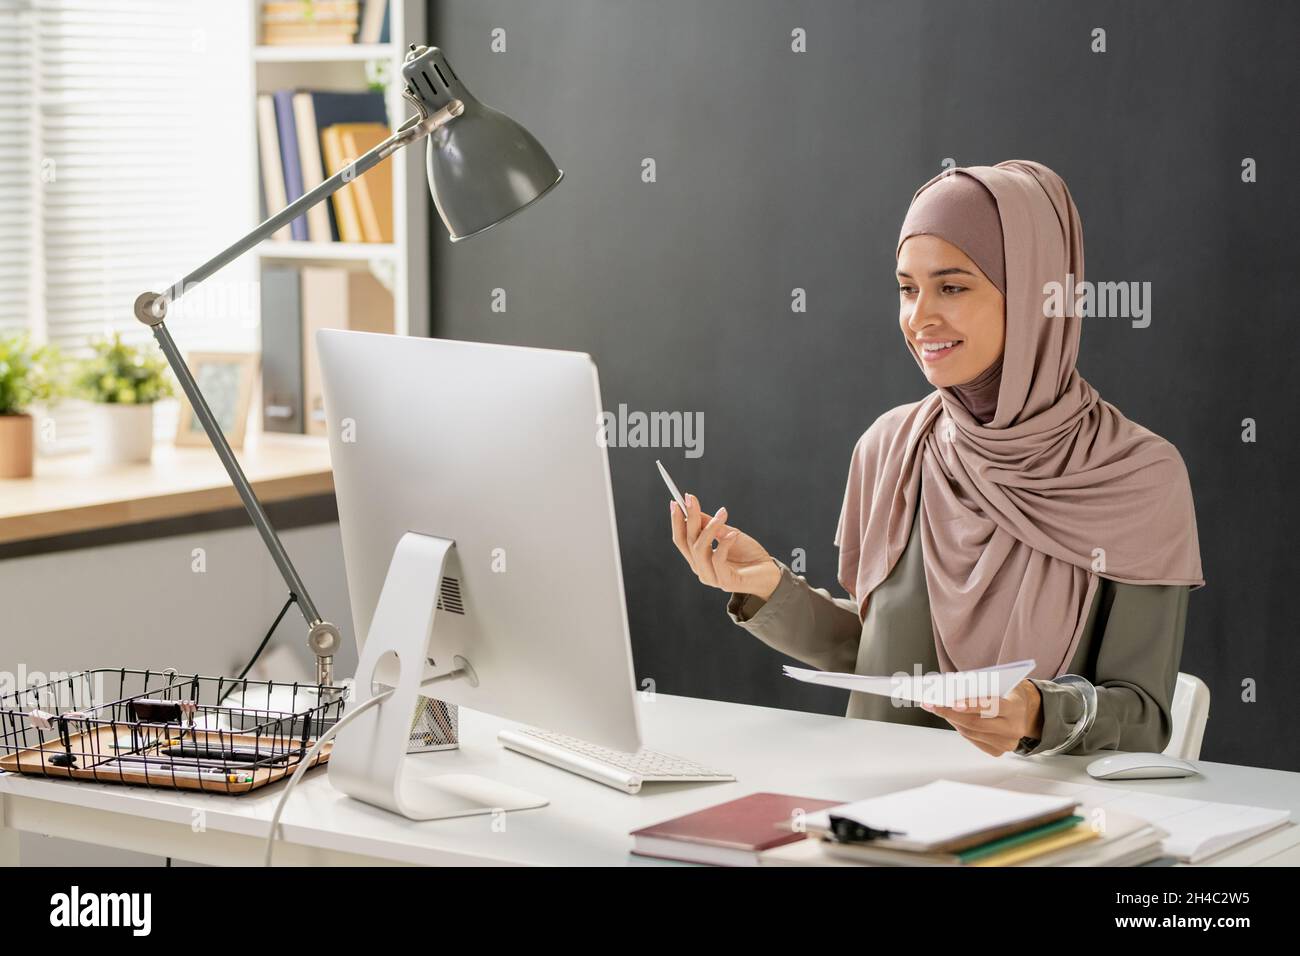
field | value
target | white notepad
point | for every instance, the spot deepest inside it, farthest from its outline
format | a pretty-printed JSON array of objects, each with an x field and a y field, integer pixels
[
  {"x": 942, "y": 811},
  {"x": 1196, "y": 828},
  {"x": 945, "y": 689}
]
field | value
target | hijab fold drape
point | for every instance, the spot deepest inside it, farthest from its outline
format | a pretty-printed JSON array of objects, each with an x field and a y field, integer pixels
[
  {"x": 1022, "y": 514},
  {"x": 980, "y": 395}
]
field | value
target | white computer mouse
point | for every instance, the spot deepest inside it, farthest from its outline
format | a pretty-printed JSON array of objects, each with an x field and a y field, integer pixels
[{"x": 1140, "y": 766}]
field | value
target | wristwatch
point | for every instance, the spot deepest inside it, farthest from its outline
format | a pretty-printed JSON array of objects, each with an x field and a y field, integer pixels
[{"x": 1082, "y": 687}]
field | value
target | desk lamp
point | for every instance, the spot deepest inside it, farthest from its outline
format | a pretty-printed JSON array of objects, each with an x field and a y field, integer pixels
[{"x": 483, "y": 167}]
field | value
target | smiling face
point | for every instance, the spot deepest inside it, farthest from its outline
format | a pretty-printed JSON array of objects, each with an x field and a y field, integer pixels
[{"x": 943, "y": 297}]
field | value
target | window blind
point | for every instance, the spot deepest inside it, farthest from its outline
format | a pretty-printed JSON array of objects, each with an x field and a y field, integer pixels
[
  {"x": 19, "y": 166},
  {"x": 142, "y": 150}
]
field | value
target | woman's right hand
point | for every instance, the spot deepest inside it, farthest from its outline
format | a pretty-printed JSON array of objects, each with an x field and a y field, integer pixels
[{"x": 739, "y": 564}]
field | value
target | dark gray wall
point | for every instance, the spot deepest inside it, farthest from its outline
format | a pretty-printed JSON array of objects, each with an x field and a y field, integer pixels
[{"x": 778, "y": 170}]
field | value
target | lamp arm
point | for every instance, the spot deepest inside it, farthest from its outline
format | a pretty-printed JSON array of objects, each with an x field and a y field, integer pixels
[
  {"x": 151, "y": 309},
  {"x": 413, "y": 130}
]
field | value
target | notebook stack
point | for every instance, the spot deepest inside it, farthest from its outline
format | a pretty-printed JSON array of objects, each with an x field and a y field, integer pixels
[
  {"x": 320, "y": 23},
  {"x": 947, "y": 823},
  {"x": 1024, "y": 821}
]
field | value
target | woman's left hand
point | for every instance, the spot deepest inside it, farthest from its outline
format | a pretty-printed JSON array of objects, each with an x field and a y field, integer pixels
[{"x": 995, "y": 725}]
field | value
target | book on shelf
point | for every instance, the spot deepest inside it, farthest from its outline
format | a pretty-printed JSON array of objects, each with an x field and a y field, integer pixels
[
  {"x": 289, "y": 160},
  {"x": 374, "y": 22},
  {"x": 300, "y": 119},
  {"x": 305, "y": 38},
  {"x": 345, "y": 204},
  {"x": 364, "y": 207},
  {"x": 322, "y": 22},
  {"x": 308, "y": 11},
  {"x": 320, "y": 224},
  {"x": 268, "y": 150},
  {"x": 325, "y": 22}
]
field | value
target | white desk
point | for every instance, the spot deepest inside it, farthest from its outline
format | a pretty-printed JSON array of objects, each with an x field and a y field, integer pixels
[{"x": 586, "y": 823}]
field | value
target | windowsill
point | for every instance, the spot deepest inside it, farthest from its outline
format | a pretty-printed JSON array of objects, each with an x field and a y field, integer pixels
[{"x": 69, "y": 495}]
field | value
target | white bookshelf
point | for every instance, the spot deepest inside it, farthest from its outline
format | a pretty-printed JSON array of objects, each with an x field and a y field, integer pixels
[
  {"x": 403, "y": 265},
  {"x": 330, "y": 251},
  {"x": 324, "y": 54}
]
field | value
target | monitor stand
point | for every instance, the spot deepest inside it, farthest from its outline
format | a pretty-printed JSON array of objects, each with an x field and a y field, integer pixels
[{"x": 369, "y": 759}]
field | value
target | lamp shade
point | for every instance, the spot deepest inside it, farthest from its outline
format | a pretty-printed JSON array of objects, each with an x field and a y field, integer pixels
[{"x": 483, "y": 167}]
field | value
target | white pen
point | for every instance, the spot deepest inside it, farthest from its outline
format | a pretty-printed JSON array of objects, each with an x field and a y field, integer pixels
[
  {"x": 677, "y": 495},
  {"x": 152, "y": 770}
]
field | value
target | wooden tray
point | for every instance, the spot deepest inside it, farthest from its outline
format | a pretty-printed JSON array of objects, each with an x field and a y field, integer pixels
[{"x": 35, "y": 761}]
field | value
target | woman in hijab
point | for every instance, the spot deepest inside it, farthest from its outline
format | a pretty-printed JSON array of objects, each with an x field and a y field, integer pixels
[{"x": 1011, "y": 514}]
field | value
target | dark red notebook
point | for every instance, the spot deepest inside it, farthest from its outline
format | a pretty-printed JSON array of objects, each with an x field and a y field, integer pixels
[{"x": 729, "y": 834}]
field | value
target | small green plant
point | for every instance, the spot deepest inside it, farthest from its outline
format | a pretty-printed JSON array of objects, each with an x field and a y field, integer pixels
[
  {"x": 28, "y": 373},
  {"x": 122, "y": 374}
]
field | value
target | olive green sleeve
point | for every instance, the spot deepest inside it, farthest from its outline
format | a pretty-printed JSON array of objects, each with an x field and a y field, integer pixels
[
  {"x": 802, "y": 621},
  {"x": 1135, "y": 674}
]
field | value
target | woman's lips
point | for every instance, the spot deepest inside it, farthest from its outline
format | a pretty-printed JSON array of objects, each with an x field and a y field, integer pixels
[{"x": 940, "y": 355}]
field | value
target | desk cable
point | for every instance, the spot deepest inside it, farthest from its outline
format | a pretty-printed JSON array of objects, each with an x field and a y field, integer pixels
[
  {"x": 293, "y": 599},
  {"x": 305, "y": 763}
]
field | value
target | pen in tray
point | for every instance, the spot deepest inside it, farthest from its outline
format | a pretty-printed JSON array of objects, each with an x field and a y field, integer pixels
[
  {"x": 236, "y": 755},
  {"x": 165, "y": 769}
]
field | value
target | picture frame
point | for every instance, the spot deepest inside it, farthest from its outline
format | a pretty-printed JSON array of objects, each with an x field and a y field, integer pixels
[{"x": 227, "y": 380}]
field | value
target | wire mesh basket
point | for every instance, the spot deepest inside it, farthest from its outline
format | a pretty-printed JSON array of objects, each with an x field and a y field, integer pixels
[
  {"x": 435, "y": 726},
  {"x": 165, "y": 729}
]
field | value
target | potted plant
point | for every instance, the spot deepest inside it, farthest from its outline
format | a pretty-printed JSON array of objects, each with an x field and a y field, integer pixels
[
  {"x": 25, "y": 377},
  {"x": 123, "y": 381}
]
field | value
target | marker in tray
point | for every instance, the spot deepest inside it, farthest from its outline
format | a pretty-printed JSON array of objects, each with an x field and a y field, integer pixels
[
  {"x": 235, "y": 755},
  {"x": 166, "y": 769}
]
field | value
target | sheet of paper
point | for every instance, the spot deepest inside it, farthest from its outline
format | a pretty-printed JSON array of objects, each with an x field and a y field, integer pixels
[
  {"x": 1196, "y": 828},
  {"x": 945, "y": 689},
  {"x": 943, "y": 810}
]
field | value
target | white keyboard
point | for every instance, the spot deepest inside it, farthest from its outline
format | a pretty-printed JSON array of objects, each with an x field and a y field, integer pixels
[{"x": 614, "y": 768}]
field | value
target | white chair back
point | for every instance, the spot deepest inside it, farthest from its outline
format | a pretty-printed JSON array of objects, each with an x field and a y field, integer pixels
[{"x": 1190, "y": 711}]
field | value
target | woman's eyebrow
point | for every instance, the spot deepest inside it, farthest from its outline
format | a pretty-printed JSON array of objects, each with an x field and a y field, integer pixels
[{"x": 941, "y": 272}]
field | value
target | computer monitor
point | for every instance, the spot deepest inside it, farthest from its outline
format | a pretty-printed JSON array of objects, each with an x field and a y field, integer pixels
[{"x": 481, "y": 551}]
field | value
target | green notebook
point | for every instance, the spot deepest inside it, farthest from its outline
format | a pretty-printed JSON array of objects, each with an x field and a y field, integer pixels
[{"x": 1025, "y": 836}]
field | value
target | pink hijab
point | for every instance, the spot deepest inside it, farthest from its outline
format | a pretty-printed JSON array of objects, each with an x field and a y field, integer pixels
[{"x": 1020, "y": 516}]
